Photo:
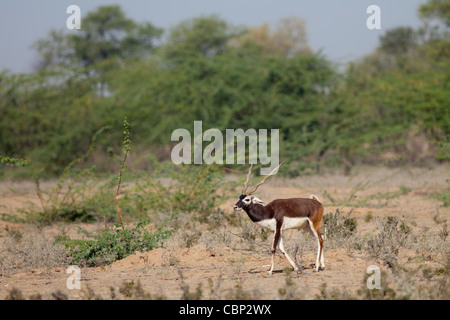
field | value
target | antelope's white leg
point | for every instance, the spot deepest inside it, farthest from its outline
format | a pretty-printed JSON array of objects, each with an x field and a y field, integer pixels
[
  {"x": 322, "y": 261},
  {"x": 274, "y": 246},
  {"x": 287, "y": 256},
  {"x": 316, "y": 267},
  {"x": 272, "y": 264}
]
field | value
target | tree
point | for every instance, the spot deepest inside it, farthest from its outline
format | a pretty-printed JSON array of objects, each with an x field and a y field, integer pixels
[
  {"x": 55, "y": 50},
  {"x": 437, "y": 46},
  {"x": 439, "y": 9},
  {"x": 287, "y": 40},
  {"x": 207, "y": 36},
  {"x": 398, "y": 40},
  {"x": 399, "y": 93},
  {"x": 106, "y": 33}
]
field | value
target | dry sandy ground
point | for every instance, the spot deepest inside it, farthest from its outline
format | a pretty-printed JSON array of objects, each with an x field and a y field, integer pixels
[{"x": 226, "y": 265}]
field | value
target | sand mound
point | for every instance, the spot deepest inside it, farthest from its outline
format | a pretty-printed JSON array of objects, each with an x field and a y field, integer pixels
[{"x": 140, "y": 260}]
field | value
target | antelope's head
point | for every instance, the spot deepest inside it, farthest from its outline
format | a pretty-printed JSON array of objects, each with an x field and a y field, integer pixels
[
  {"x": 246, "y": 198},
  {"x": 245, "y": 201}
]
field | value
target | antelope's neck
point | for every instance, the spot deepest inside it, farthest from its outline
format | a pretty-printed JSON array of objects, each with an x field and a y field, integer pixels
[{"x": 257, "y": 212}]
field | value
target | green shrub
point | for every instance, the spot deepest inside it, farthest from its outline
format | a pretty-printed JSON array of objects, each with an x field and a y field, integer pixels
[{"x": 114, "y": 243}]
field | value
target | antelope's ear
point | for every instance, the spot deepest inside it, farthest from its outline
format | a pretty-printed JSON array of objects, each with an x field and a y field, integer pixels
[{"x": 258, "y": 201}]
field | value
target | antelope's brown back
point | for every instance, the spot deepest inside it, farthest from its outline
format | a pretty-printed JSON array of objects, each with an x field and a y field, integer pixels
[{"x": 291, "y": 207}]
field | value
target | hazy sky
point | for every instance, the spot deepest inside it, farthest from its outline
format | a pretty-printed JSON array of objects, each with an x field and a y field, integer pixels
[{"x": 338, "y": 28}]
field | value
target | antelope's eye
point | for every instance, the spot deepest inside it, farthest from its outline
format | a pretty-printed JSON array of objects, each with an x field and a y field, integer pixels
[{"x": 247, "y": 200}]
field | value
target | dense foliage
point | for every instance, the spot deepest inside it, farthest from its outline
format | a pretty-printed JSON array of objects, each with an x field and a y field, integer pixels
[{"x": 391, "y": 106}]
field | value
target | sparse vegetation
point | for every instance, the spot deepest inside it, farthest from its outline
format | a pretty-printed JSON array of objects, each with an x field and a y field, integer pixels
[
  {"x": 97, "y": 203},
  {"x": 422, "y": 275},
  {"x": 32, "y": 248},
  {"x": 444, "y": 196},
  {"x": 340, "y": 231},
  {"x": 338, "y": 226},
  {"x": 390, "y": 238},
  {"x": 407, "y": 284}
]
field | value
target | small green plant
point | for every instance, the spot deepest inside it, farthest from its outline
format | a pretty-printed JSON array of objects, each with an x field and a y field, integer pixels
[
  {"x": 444, "y": 196},
  {"x": 126, "y": 150}
]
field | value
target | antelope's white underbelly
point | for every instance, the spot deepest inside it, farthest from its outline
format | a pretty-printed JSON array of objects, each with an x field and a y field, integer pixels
[
  {"x": 268, "y": 223},
  {"x": 294, "y": 223},
  {"x": 288, "y": 223}
]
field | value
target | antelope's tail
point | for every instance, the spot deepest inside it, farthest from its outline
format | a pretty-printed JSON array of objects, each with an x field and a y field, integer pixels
[{"x": 322, "y": 235}]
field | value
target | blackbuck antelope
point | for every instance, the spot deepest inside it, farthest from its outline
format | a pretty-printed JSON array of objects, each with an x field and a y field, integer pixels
[{"x": 283, "y": 214}]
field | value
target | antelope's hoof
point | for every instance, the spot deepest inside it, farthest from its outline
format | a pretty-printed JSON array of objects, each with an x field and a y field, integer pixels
[{"x": 318, "y": 269}]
